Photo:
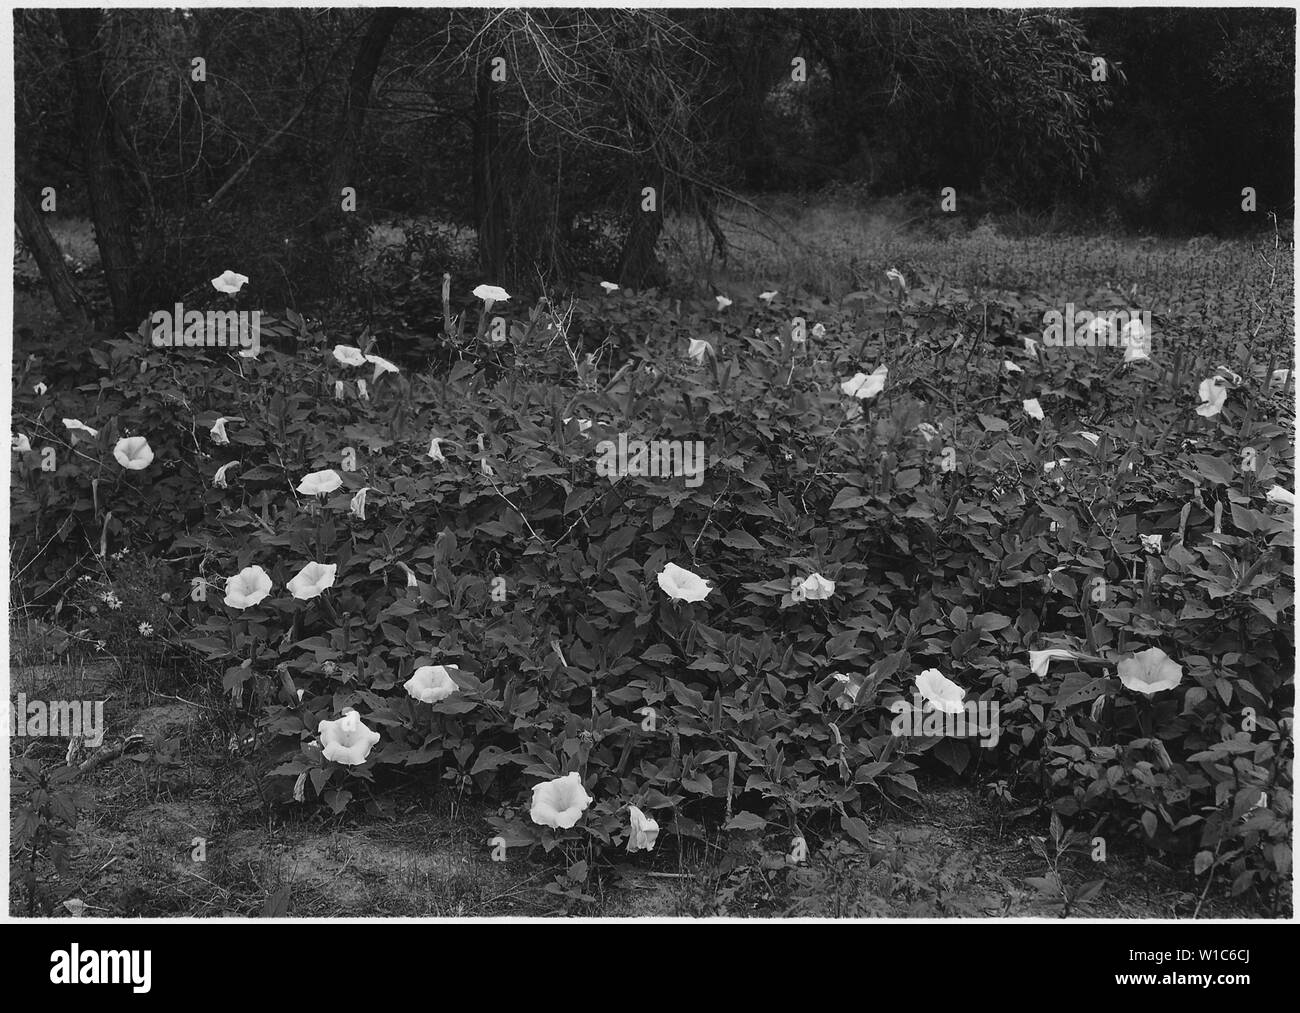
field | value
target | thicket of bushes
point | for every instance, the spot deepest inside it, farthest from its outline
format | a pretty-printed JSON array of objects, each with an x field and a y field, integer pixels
[{"x": 465, "y": 533}]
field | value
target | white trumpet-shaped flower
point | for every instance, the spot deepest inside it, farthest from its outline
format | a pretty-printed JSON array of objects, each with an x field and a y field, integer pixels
[
  {"x": 682, "y": 585},
  {"x": 229, "y": 282},
  {"x": 320, "y": 483},
  {"x": 944, "y": 694},
  {"x": 133, "y": 453},
  {"x": 349, "y": 355},
  {"x": 698, "y": 349},
  {"x": 219, "y": 479},
  {"x": 312, "y": 579},
  {"x": 865, "y": 386},
  {"x": 347, "y": 740}
]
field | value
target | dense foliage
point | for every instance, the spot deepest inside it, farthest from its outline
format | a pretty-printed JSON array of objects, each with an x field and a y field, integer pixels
[{"x": 466, "y": 527}]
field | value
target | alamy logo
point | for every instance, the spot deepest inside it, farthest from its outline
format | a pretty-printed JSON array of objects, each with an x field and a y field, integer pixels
[
  {"x": 922, "y": 719},
  {"x": 651, "y": 458},
  {"x": 102, "y": 967},
  {"x": 1086, "y": 329},
  {"x": 182, "y": 328},
  {"x": 63, "y": 719}
]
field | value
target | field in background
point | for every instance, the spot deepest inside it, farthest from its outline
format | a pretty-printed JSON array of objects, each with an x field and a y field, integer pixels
[{"x": 835, "y": 248}]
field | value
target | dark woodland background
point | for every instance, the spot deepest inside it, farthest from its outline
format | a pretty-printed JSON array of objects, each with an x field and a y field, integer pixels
[{"x": 245, "y": 168}]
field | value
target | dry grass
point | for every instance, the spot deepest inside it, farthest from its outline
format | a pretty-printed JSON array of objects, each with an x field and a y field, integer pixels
[{"x": 834, "y": 248}]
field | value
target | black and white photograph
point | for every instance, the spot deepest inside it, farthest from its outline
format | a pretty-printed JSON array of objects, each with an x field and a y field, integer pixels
[{"x": 643, "y": 464}]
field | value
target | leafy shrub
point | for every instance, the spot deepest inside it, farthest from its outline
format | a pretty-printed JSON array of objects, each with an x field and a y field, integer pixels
[{"x": 490, "y": 544}]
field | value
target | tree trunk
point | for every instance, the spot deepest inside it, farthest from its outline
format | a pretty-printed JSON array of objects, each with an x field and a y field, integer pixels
[
  {"x": 94, "y": 128},
  {"x": 489, "y": 203},
  {"x": 198, "y": 180},
  {"x": 45, "y": 251},
  {"x": 356, "y": 101},
  {"x": 638, "y": 266}
]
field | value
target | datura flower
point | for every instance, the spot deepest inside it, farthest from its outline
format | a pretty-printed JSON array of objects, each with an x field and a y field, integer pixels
[
  {"x": 133, "y": 453},
  {"x": 723, "y": 302},
  {"x": 897, "y": 278},
  {"x": 682, "y": 585},
  {"x": 817, "y": 587},
  {"x": 349, "y": 356},
  {"x": 1011, "y": 367},
  {"x": 1092, "y": 438},
  {"x": 381, "y": 365},
  {"x": 1136, "y": 341},
  {"x": 219, "y": 429},
  {"x": 312, "y": 579},
  {"x": 641, "y": 832},
  {"x": 229, "y": 282},
  {"x": 1033, "y": 408},
  {"x": 1149, "y": 671},
  {"x": 1040, "y": 660},
  {"x": 77, "y": 425},
  {"x": 944, "y": 694},
  {"x": 698, "y": 349},
  {"x": 347, "y": 740},
  {"x": 320, "y": 483},
  {"x": 435, "y": 449},
  {"x": 22, "y": 444},
  {"x": 357, "y": 506},
  {"x": 219, "y": 479},
  {"x": 819, "y": 331},
  {"x": 248, "y": 587},
  {"x": 40, "y": 388},
  {"x": 1279, "y": 495},
  {"x": 430, "y": 683},
  {"x": 559, "y": 803},
  {"x": 928, "y": 431},
  {"x": 866, "y": 385},
  {"x": 767, "y": 297},
  {"x": 491, "y": 293},
  {"x": 609, "y": 287},
  {"x": 1213, "y": 393}
]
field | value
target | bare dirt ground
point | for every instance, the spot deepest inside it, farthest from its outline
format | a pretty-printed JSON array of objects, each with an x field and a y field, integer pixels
[{"x": 179, "y": 827}]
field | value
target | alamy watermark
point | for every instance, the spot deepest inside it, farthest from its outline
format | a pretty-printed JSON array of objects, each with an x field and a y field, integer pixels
[
  {"x": 1088, "y": 329},
  {"x": 182, "y": 328},
  {"x": 921, "y": 719},
  {"x": 75, "y": 966},
  {"x": 652, "y": 459},
  {"x": 61, "y": 719}
]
